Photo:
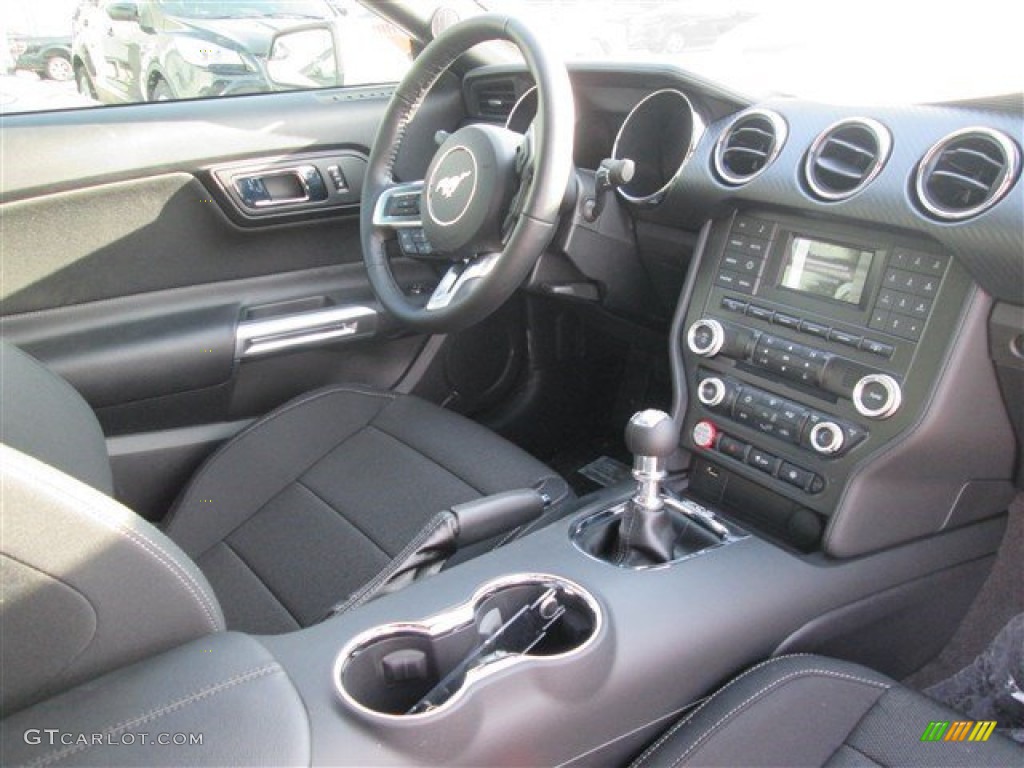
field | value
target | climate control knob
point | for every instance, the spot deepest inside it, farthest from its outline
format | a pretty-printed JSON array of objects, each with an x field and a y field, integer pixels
[
  {"x": 877, "y": 396},
  {"x": 827, "y": 438},
  {"x": 706, "y": 337},
  {"x": 712, "y": 391}
]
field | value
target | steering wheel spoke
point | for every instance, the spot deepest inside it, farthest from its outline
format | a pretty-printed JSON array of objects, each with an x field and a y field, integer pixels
[
  {"x": 398, "y": 207},
  {"x": 524, "y": 178},
  {"x": 458, "y": 276}
]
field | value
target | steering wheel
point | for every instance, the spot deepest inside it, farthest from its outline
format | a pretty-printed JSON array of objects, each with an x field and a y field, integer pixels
[{"x": 490, "y": 200}]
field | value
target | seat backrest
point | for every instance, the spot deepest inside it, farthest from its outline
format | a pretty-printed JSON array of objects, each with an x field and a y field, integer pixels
[
  {"x": 42, "y": 415},
  {"x": 88, "y": 585}
]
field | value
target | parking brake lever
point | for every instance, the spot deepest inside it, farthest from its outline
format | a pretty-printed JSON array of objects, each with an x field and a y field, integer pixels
[{"x": 443, "y": 535}]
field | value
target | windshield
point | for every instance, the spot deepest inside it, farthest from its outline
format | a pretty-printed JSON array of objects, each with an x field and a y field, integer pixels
[
  {"x": 244, "y": 9},
  {"x": 870, "y": 51}
]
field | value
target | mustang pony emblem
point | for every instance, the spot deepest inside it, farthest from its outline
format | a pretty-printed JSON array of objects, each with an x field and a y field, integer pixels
[{"x": 449, "y": 184}]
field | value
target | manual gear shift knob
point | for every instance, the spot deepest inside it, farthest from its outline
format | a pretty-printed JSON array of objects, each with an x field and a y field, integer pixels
[{"x": 651, "y": 433}]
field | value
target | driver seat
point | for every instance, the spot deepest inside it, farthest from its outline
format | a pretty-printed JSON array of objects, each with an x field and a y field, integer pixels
[{"x": 285, "y": 520}]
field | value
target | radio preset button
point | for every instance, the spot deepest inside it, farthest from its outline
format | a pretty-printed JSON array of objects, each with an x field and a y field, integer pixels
[
  {"x": 734, "y": 305},
  {"x": 920, "y": 307},
  {"x": 879, "y": 348},
  {"x": 879, "y": 320},
  {"x": 901, "y": 302},
  {"x": 787, "y": 321},
  {"x": 926, "y": 286},
  {"x": 906, "y": 327},
  {"x": 844, "y": 338},
  {"x": 760, "y": 313},
  {"x": 886, "y": 300},
  {"x": 815, "y": 329},
  {"x": 925, "y": 263}
]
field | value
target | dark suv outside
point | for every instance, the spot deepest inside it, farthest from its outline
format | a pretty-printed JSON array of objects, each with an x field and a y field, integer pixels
[
  {"x": 155, "y": 50},
  {"x": 48, "y": 57}
]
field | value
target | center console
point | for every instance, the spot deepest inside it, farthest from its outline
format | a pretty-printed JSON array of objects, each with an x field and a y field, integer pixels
[
  {"x": 834, "y": 397},
  {"x": 810, "y": 352}
]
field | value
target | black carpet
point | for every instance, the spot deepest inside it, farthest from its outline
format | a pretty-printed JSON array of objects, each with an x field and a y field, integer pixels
[{"x": 1001, "y": 599}]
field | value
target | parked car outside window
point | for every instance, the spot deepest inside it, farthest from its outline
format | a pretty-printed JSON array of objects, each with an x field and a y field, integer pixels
[{"x": 158, "y": 50}]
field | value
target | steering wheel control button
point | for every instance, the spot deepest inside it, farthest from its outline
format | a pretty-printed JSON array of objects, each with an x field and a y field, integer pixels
[
  {"x": 877, "y": 396},
  {"x": 704, "y": 434},
  {"x": 413, "y": 242},
  {"x": 827, "y": 438},
  {"x": 403, "y": 205}
]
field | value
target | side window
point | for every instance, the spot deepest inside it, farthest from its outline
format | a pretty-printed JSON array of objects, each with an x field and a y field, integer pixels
[{"x": 60, "y": 54}]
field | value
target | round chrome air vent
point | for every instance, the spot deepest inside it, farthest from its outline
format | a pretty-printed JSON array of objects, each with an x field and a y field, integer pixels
[
  {"x": 966, "y": 173},
  {"x": 659, "y": 135},
  {"x": 846, "y": 157},
  {"x": 749, "y": 145}
]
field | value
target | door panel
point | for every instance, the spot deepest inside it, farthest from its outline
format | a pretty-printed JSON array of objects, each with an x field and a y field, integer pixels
[
  {"x": 123, "y": 271},
  {"x": 145, "y": 235}
]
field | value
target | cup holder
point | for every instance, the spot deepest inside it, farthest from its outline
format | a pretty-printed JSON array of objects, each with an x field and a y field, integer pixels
[{"x": 417, "y": 669}]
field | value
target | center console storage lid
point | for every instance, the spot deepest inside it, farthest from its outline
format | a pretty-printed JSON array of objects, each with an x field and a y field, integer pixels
[{"x": 219, "y": 700}]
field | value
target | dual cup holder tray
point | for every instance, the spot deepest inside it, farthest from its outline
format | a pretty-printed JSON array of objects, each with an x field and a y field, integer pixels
[{"x": 410, "y": 671}]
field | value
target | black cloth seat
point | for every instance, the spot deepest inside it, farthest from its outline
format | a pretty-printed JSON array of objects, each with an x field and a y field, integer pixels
[
  {"x": 310, "y": 502},
  {"x": 807, "y": 710},
  {"x": 303, "y": 507}
]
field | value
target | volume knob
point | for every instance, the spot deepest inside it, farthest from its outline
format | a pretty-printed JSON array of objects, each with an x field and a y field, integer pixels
[
  {"x": 877, "y": 396},
  {"x": 706, "y": 337}
]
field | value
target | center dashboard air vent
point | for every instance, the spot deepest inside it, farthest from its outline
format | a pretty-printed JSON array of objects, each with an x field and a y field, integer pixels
[
  {"x": 846, "y": 157},
  {"x": 495, "y": 99},
  {"x": 749, "y": 145},
  {"x": 966, "y": 173}
]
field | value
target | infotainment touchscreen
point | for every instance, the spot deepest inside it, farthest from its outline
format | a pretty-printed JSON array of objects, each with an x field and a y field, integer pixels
[{"x": 828, "y": 270}]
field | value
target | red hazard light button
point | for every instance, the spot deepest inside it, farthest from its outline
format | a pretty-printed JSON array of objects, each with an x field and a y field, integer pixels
[{"x": 704, "y": 434}]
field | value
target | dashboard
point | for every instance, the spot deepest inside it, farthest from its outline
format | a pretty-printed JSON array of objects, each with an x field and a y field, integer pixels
[{"x": 844, "y": 286}]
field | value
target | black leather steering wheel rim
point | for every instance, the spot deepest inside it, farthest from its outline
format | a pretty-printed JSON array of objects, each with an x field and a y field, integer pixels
[{"x": 536, "y": 224}]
